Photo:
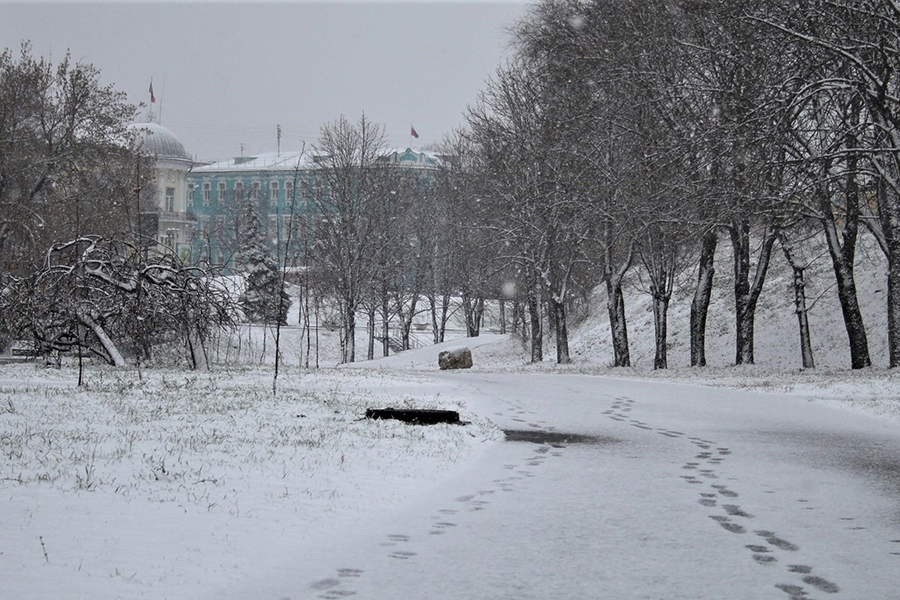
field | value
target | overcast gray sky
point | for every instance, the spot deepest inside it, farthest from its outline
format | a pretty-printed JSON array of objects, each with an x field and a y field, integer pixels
[{"x": 229, "y": 73}]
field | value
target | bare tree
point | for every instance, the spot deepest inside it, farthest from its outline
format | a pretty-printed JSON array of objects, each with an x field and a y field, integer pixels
[
  {"x": 347, "y": 161},
  {"x": 63, "y": 138},
  {"x": 91, "y": 290}
]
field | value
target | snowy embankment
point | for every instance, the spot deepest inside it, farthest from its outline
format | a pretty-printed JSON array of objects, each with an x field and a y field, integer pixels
[
  {"x": 160, "y": 488},
  {"x": 777, "y": 349}
]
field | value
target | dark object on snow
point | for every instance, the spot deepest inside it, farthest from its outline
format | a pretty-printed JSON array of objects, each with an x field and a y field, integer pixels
[
  {"x": 455, "y": 359},
  {"x": 411, "y": 415},
  {"x": 557, "y": 439}
]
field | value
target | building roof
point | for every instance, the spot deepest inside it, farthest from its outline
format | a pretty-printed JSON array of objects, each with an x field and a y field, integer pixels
[
  {"x": 294, "y": 159},
  {"x": 411, "y": 157},
  {"x": 155, "y": 140},
  {"x": 267, "y": 161}
]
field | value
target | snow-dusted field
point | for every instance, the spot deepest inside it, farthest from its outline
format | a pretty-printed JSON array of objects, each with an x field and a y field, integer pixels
[{"x": 166, "y": 487}]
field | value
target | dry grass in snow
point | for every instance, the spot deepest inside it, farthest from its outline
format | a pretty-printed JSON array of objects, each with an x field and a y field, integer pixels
[{"x": 151, "y": 483}]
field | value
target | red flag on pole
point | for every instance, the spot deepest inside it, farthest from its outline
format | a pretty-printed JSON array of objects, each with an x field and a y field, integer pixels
[
  {"x": 412, "y": 132},
  {"x": 152, "y": 97}
]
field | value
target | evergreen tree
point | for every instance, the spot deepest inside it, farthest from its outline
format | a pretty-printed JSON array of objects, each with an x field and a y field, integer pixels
[{"x": 263, "y": 290}]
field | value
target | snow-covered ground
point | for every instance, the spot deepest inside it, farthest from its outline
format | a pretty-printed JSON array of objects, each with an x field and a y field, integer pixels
[
  {"x": 763, "y": 481},
  {"x": 190, "y": 486},
  {"x": 171, "y": 486}
]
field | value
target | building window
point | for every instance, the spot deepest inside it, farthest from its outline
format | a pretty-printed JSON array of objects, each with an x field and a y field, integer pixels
[
  {"x": 204, "y": 227},
  {"x": 170, "y": 199},
  {"x": 273, "y": 191},
  {"x": 221, "y": 192},
  {"x": 206, "y": 188},
  {"x": 273, "y": 229},
  {"x": 171, "y": 238},
  {"x": 189, "y": 198},
  {"x": 288, "y": 191},
  {"x": 238, "y": 190},
  {"x": 254, "y": 190}
]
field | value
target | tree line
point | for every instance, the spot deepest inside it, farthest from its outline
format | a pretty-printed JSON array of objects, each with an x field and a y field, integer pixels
[
  {"x": 621, "y": 138},
  {"x": 629, "y": 135}
]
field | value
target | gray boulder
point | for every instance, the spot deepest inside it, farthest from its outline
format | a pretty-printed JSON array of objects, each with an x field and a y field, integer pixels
[{"x": 455, "y": 359}]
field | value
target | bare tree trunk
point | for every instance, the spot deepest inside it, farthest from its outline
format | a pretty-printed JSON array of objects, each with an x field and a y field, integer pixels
[
  {"x": 843, "y": 253},
  {"x": 558, "y": 310},
  {"x": 445, "y": 315},
  {"x": 432, "y": 305},
  {"x": 889, "y": 217},
  {"x": 614, "y": 273},
  {"x": 349, "y": 330},
  {"x": 502, "y": 316},
  {"x": 108, "y": 345},
  {"x": 660, "y": 326},
  {"x": 370, "y": 354},
  {"x": 306, "y": 324},
  {"x": 533, "y": 300},
  {"x": 893, "y": 299},
  {"x": 615, "y": 305},
  {"x": 198, "y": 352},
  {"x": 385, "y": 326},
  {"x": 702, "y": 296},
  {"x": 473, "y": 309},
  {"x": 745, "y": 294},
  {"x": 406, "y": 321},
  {"x": 515, "y": 316},
  {"x": 799, "y": 285}
]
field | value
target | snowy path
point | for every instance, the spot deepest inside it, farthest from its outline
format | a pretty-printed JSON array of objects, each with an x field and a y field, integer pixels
[{"x": 674, "y": 492}]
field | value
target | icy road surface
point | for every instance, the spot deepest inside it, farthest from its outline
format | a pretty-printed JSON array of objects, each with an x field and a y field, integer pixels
[{"x": 671, "y": 492}]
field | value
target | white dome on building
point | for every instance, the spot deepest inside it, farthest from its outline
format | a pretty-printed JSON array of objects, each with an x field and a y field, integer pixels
[{"x": 155, "y": 140}]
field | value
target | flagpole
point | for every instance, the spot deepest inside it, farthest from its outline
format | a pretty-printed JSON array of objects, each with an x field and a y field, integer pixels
[{"x": 161, "y": 96}]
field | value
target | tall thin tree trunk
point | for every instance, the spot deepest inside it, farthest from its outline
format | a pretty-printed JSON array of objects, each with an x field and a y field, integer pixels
[
  {"x": 842, "y": 250},
  {"x": 348, "y": 330},
  {"x": 889, "y": 216},
  {"x": 746, "y": 294},
  {"x": 432, "y": 305},
  {"x": 799, "y": 285},
  {"x": 558, "y": 309},
  {"x": 660, "y": 326},
  {"x": 385, "y": 325},
  {"x": 534, "y": 311},
  {"x": 502, "y": 316},
  {"x": 615, "y": 305},
  {"x": 370, "y": 354},
  {"x": 806, "y": 351},
  {"x": 702, "y": 296}
]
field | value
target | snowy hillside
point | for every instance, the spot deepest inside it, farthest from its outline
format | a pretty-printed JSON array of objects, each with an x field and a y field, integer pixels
[{"x": 777, "y": 334}]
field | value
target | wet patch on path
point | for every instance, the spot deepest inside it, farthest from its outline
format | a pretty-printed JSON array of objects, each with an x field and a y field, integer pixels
[{"x": 555, "y": 438}]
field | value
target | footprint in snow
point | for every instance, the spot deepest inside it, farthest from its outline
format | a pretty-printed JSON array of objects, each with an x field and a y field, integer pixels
[
  {"x": 736, "y": 511},
  {"x": 727, "y": 525},
  {"x": 777, "y": 541},
  {"x": 794, "y": 592},
  {"x": 325, "y": 584},
  {"x": 823, "y": 585},
  {"x": 349, "y": 572},
  {"x": 335, "y": 594}
]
